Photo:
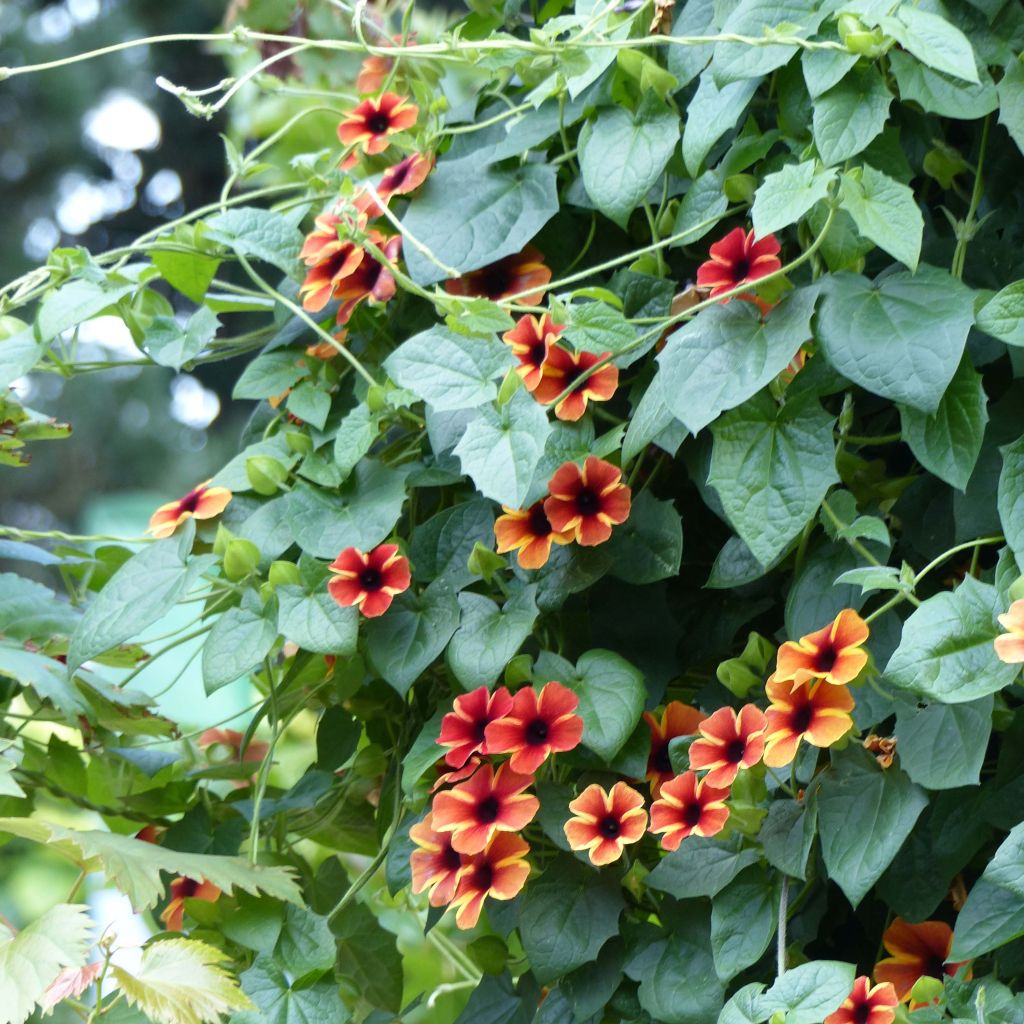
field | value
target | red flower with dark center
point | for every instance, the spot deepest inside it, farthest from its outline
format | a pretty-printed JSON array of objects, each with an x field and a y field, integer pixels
[
  {"x": 204, "y": 502},
  {"x": 371, "y": 280},
  {"x": 489, "y": 802},
  {"x": 729, "y": 742},
  {"x": 604, "y": 821},
  {"x": 186, "y": 889},
  {"x": 523, "y": 275},
  {"x": 330, "y": 260},
  {"x": 916, "y": 951},
  {"x": 588, "y": 501},
  {"x": 562, "y": 369},
  {"x": 866, "y": 1005},
  {"x": 833, "y": 653},
  {"x": 436, "y": 864},
  {"x": 688, "y": 806},
  {"x": 531, "y": 340},
  {"x": 498, "y": 871},
  {"x": 815, "y": 712},
  {"x": 528, "y": 532},
  {"x": 369, "y": 581},
  {"x": 536, "y": 726},
  {"x": 737, "y": 259},
  {"x": 406, "y": 176},
  {"x": 371, "y": 123},
  {"x": 464, "y": 728},
  {"x": 677, "y": 719}
]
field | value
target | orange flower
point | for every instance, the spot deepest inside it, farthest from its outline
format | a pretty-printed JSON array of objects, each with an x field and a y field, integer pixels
[
  {"x": 528, "y": 532},
  {"x": 330, "y": 260},
  {"x": 186, "y": 889},
  {"x": 204, "y": 502},
  {"x": 371, "y": 279},
  {"x": 562, "y": 369},
  {"x": 677, "y": 719},
  {"x": 463, "y": 728},
  {"x": 589, "y": 502},
  {"x": 371, "y": 123},
  {"x": 917, "y": 951},
  {"x": 369, "y": 581},
  {"x": 498, "y": 871},
  {"x": 818, "y": 713},
  {"x": 1010, "y": 646},
  {"x": 489, "y": 802},
  {"x": 604, "y": 822},
  {"x": 406, "y": 176},
  {"x": 729, "y": 742},
  {"x": 372, "y": 72},
  {"x": 688, "y": 806},
  {"x": 511, "y": 275},
  {"x": 324, "y": 350},
  {"x": 436, "y": 864},
  {"x": 531, "y": 340},
  {"x": 866, "y": 1005},
  {"x": 833, "y": 653},
  {"x": 738, "y": 259},
  {"x": 536, "y": 726},
  {"x": 449, "y": 778}
]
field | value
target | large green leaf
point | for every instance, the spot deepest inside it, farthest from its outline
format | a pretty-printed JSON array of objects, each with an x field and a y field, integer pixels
[
  {"x": 440, "y": 547},
  {"x": 611, "y": 693},
  {"x": 932, "y": 40},
  {"x": 1003, "y": 315},
  {"x": 281, "y": 1001},
  {"x": 488, "y": 637},
  {"x": 734, "y": 61},
  {"x": 743, "y": 919},
  {"x": 941, "y": 93},
  {"x": 850, "y": 115},
  {"x": 269, "y": 374},
  {"x": 785, "y": 196},
  {"x": 30, "y": 611},
  {"x": 700, "y": 867},
  {"x": 808, "y": 993},
  {"x": 239, "y": 641},
  {"x": 649, "y": 546},
  {"x": 170, "y": 344},
  {"x": 942, "y": 746},
  {"x": 19, "y": 350},
  {"x": 787, "y": 835},
  {"x": 368, "y": 959},
  {"x": 76, "y": 302},
  {"x": 316, "y": 622},
  {"x": 261, "y": 234},
  {"x": 1011, "y": 101},
  {"x": 711, "y": 113},
  {"x": 1011, "y": 497},
  {"x": 884, "y": 211}
]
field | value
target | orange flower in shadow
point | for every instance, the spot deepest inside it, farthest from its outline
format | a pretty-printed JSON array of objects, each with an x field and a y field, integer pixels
[
  {"x": 562, "y": 369},
  {"x": 604, "y": 822},
  {"x": 688, "y": 806},
  {"x": 329, "y": 258},
  {"x": 537, "y": 725},
  {"x": 866, "y": 1005},
  {"x": 463, "y": 729},
  {"x": 204, "y": 502},
  {"x": 818, "y": 713},
  {"x": 531, "y": 340},
  {"x": 677, "y": 719},
  {"x": 833, "y": 653},
  {"x": 435, "y": 864},
  {"x": 371, "y": 280},
  {"x": 1010, "y": 645},
  {"x": 369, "y": 581},
  {"x": 729, "y": 742},
  {"x": 498, "y": 871},
  {"x": 186, "y": 889},
  {"x": 372, "y": 73},
  {"x": 738, "y": 259},
  {"x": 916, "y": 951},
  {"x": 523, "y": 272},
  {"x": 587, "y": 501},
  {"x": 529, "y": 533},
  {"x": 371, "y": 124}
]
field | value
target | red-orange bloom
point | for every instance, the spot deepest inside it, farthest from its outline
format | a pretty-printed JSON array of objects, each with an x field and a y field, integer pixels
[
  {"x": 738, "y": 259},
  {"x": 604, "y": 822},
  {"x": 369, "y": 581},
  {"x": 729, "y": 742},
  {"x": 489, "y": 802},
  {"x": 523, "y": 274},
  {"x": 588, "y": 501},
  {"x": 371, "y": 280},
  {"x": 833, "y": 653},
  {"x": 330, "y": 261},
  {"x": 677, "y": 719},
  {"x": 562, "y": 369},
  {"x": 531, "y": 340},
  {"x": 916, "y": 951},
  {"x": 449, "y": 778},
  {"x": 204, "y": 502},
  {"x": 528, "y": 532},
  {"x": 866, "y": 1005},
  {"x": 186, "y": 889},
  {"x": 498, "y": 871},
  {"x": 537, "y": 726},
  {"x": 372, "y": 72},
  {"x": 688, "y": 806},
  {"x": 463, "y": 729},
  {"x": 1010, "y": 646},
  {"x": 371, "y": 123},
  {"x": 406, "y": 176},
  {"x": 436, "y": 864},
  {"x": 816, "y": 712}
]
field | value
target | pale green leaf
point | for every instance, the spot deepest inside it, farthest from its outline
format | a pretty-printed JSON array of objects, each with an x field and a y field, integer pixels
[
  {"x": 885, "y": 212},
  {"x": 850, "y": 115},
  {"x": 1003, "y": 315},
  {"x": 711, "y": 113},
  {"x": 488, "y": 637},
  {"x": 932, "y": 40},
  {"x": 785, "y": 196},
  {"x": 1011, "y": 101}
]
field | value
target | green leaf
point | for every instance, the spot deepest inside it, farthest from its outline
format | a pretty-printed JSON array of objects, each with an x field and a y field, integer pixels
[
  {"x": 932, "y": 40},
  {"x": 191, "y": 273},
  {"x": 488, "y": 637},
  {"x": 850, "y": 115},
  {"x": 942, "y": 746},
  {"x": 611, "y": 694},
  {"x": 255, "y": 923},
  {"x": 49, "y": 678},
  {"x": 1011, "y": 101},
  {"x": 744, "y": 1006},
  {"x": 885, "y": 211},
  {"x": 785, "y": 196},
  {"x": 309, "y": 403},
  {"x": 423, "y": 753},
  {"x": 649, "y": 546},
  {"x": 711, "y": 113},
  {"x": 305, "y": 945},
  {"x": 757, "y": 18},
  {"x": 239, "y": 641},
  {"x": 316, "y": 622},
  {"x": 901, "y": 336},
  {"x": 30, "y": 611},
  {"x": 823, "y": 69},
  {"x": 441, "y": 547},
  {"x": 743, "y": 922},
  {"x": 368, "y": 958},
  {"x": 170, "y": 345},
  {"x": 74, "y": 303},
  {"x": 809, "y": 992},
  {"x": 652, "y": 422},
  {"x": 1011, "y": 497},
  {"x": 261, "y": 234},
  {"x": 1003, "y": 315},
  {"x": 284, "y": 1002},
  {"x": 694, "y": 18},
  {"x": 356, "y": 434},
  {"x": 19, "y": 353},
  {"x": 622, "y": 155},
  {"x": 704, "y": 204},
  {"x": 599, "y": 328},
  {"x": 946, "y": 651},
  {"x": 771, "y": 466},
  {"x": 700, "y": 867},
  {"x": 939, "y": 93},
  {"x": 269, "y": 374},
  {"x": 788, "y": 834}
]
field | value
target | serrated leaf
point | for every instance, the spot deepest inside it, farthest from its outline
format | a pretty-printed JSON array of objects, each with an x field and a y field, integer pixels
[
  {"x": 886, "y": 212},
  {"x": 785, "y": 196}
]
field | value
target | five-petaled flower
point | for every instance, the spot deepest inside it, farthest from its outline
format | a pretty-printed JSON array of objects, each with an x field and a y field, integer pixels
[
  {"x": 563, "y": 369},
  {"x": 738, "y": 259},
  {"x": 587, "y": 501},
  {"x": 329, "y": 258},
  {"x": 204, "y": 502},
  {"x": 186, "y": 889},
  {"x": 369, "y": 580},
  {"x": 523, "y": 274},
  {"x": 498, "y": 871},
  {"x": 463, "y": 729},
  {"x": 866, "y": 1004},
  {"x": 371, "y": 279},
  {"x": 1010, "y": 646},
  {"x": 833, "y": 653},
  {"x": 678, "y": 719},
  {"x": 729, "y": 742},
  {"x": 371, "y": 124},
  {"x": 604, "y": 821},
  {"x": 815, "y": 712},
  {"x": 529, "y": 533},
  {"x": 916, "y": 951},
  {"x": 531, "y": 340},
  {"x": 487, "y": 803},
  {"x": 688, "y": 806},
  {"x": 435, "y": 863},
  {"x": 537, "y": 725}
]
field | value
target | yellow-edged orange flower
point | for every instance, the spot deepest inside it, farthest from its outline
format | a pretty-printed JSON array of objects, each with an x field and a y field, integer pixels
[
  {"x": 529, "y": 533},
  {"x": 1010, "y": 646},
  {"x": 487, "y": 803},
  {"x": 531, "y": 340},
  {"x": 866, "y": 1004},
  {"x": 605, "y": 821},
  {"x": 688, "y": 806},
  {"x": 329, "y": 258},
  {"x": 523, "y": 274},
  {"x": 406, "y": 176},
  {"x": 204, "y": 502},
  {"x": 833, "y": 653},
  {"x": 536, "y": 726},
  {"x": 369, "y": 580},
  {"x": 435, "y": 864},
  {"x": 678, "y": 719},
  {"x": 729, "y": 741},
  {"x": 371, "y": 280},
  {"x": 737, "y": 259},
  {"x": 562, "y": 369},
  {"x": 916, "y": 951},
  {"x": 587, "y": 501},
  {"x": 448, "y": 777},
  {"x": 463, "y": 729},
  {"x": 816, "y": 712},
  {"x": 498, "y": 871},
  {"x": 186, "y": 889},
  {"x": 371, "y": 124}
]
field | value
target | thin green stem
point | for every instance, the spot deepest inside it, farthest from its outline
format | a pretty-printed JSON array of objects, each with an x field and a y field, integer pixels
[
  {"x": 263, "y": 776},
  {"x": 882, "y": 609},
  {"x": 966, "y": 229},
  {"x": 939, "y": 559}
]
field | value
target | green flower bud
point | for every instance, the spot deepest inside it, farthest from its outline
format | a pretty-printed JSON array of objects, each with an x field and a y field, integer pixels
[
  {"x": 299, "y": 442},
  {"x": 265, "y": 474},
  {"x": 740, "y": 188},
  {"x": 240, "y": 559},
  {"x": 376, "y": 398},
  {"x": 282, "y": 574}
]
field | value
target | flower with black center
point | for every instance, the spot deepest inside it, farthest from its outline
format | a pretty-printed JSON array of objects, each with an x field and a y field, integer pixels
[
  {"x": 523, "y": 274},
  {"x": 815, "y": 712},
  {"x": 738, "y": 259},
  {"x": 915, "y": 951},
  {"x": 538, "y": 725},
  {"x": 529, "y": 533},
  {"x": 678, "y": 719},
  {"x": 1010, "y": 645},
  {"x": 729, "y": 742},
  {"x": 371, "y": 124},
  {"x": 487, "y": 803},
  {"x": 186, "y": 889},
  {"x": 406, "y": 176},
  {"x": 866, "y": 1004},
  {"x": 463, "y": 729},
  {"x": 563, "y": 369},
  {"x": 833, "y": 653},
  {"x": 587, "y": 501},
  {"x": 688, "y": 806},
  {"x": 372, "y": 280},
  {"x": 531, "y": 340},
  {"x": 435, "y": 863},
  {"x": 369, "y": 580},
  {"x": 330, "y": 260},
  {"x": 604, "y": 821},
  {"x": 203, "y": 502},
  {"x": 498, "y": 871}
]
